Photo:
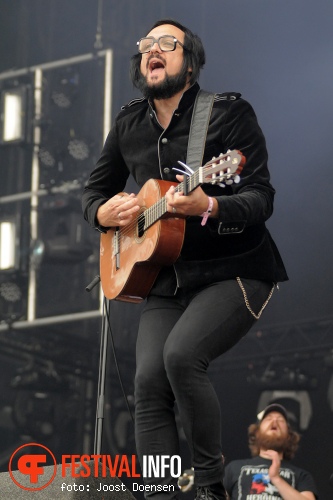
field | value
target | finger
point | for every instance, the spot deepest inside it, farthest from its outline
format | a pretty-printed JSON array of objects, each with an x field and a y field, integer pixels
[
  {"x": 121, "y": 198},
  {"x": 169, "y": 196},
  {"x": 124, "y": 216},
  {"x": 122, "y": 220},
  {"x": 171, "y": 209},
  {"x": 125, "y": 199},
  {"x": 124, "y": 195},
  {"x": 127, "y": 205}
]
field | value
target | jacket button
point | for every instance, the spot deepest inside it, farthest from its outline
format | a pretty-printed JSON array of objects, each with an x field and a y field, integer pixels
[
  {"x": 166, "y": 170},
  {"x": 164, "y": 140}
]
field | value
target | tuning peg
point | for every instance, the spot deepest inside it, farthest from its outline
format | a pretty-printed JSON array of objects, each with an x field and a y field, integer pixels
[{"x": 236, "y": 179}]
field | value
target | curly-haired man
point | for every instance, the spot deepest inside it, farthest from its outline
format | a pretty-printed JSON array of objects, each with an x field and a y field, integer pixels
[{"x": 269, "y": 474}]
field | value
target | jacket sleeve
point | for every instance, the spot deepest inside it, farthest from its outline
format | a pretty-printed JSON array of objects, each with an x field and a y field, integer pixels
[
  {"x": 251, "y": 201},
  {"x": 107, "y": 179}
]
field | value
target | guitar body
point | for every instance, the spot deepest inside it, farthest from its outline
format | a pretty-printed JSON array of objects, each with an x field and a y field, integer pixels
[
  {"x": 132, "y": 256},
  {"x": 129, "y": 272}
]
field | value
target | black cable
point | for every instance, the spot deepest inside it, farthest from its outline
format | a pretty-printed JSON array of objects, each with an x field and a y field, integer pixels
[
  {"x": 116, "y": 361},
  {"x": 102, "y": 369}
]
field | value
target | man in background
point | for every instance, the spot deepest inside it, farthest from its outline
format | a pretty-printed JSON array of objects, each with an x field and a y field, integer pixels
[{"x": 268, "y": 474}]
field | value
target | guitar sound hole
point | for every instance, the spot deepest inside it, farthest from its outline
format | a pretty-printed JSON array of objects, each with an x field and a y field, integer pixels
[{"x": 141, "y": 226}]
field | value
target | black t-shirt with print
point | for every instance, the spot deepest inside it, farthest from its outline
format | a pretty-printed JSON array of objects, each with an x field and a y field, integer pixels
[{"x": 249, "y": 480}]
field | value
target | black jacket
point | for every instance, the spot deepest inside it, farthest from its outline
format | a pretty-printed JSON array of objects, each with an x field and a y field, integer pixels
[{"x": 238, "y": 242}]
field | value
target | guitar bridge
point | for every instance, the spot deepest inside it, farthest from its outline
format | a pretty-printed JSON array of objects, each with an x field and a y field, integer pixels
[{"x": 116, "y": 248}]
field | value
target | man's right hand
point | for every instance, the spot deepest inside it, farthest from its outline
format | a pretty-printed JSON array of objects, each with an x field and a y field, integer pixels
[{"x": 118, "y": 210}]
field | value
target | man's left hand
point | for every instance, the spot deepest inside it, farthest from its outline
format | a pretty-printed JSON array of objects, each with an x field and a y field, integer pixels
[{"x": 194, "y": 203}]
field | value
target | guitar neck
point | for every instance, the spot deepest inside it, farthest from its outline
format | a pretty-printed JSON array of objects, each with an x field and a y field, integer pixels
[
  {"x": 222, "y": 170},
  {"x": 159, "y": 209}
]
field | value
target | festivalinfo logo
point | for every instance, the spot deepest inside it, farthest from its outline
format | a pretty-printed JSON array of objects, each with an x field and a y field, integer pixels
[{"x": 30, "y": 469}]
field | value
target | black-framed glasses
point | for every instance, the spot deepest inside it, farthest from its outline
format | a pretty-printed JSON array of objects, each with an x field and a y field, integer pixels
[{"x": 167, "y": 43}]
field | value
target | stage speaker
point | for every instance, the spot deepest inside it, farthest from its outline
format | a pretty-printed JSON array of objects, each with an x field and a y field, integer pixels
[{"x": 67, "y": 488}]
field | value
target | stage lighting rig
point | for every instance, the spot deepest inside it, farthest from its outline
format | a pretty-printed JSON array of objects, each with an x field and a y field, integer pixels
[
  {"x": 47, "y": 157},
  {"x": 297, "y": 403},
  {"x": 63, "y": 235},
  {"x": 78, "y": 149},
  {"x": 64, "y": 91},
  {"x": 8, "y": 244},
  {"x": 283, "y": 378},
  {"x": 41, "y": 401},
  {"x": 13, "y": 296},
  {"x": 10, "y": 291},
  {"x": 13, "y": 114}
]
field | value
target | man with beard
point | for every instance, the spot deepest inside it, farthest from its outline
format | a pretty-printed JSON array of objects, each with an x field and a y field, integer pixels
[
  {"x": 269, "y": 474},
  {"x": 206, "y": 299}
]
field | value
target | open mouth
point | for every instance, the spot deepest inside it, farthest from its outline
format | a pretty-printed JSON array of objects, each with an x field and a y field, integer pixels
[{"x": 155, "y": 65}]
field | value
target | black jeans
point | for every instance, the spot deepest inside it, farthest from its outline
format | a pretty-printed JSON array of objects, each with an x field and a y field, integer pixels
[{"x": 178, "y": 337}]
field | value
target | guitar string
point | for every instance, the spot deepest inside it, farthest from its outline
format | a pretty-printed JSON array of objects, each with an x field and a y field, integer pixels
[
  {"x": 151, "y": 214},
  {"x": 154, "y": 212}
]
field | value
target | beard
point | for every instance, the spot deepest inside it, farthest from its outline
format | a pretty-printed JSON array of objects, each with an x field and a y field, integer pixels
[
  {"x": 276, "y": 443},
  {"x": 169, "y": 87}
]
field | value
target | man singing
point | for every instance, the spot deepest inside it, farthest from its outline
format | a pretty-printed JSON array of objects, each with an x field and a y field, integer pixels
[{"x": 207, "y": 300}]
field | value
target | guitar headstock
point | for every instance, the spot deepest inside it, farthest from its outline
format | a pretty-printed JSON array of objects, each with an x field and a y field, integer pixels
[{"x": 224, "y": 169}]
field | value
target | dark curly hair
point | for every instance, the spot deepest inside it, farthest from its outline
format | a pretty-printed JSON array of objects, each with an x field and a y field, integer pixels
[
  {"x": 289, "y": 449},
  {"x": 194, "y": 53}
]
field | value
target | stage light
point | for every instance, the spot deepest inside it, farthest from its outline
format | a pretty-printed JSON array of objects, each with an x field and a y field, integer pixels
[
  {"x": 61, "y": 99},
  {"x": 46, "y": 157},
  {"x": 37, "y": 251},
  {"x": 297, "y": 403},
  {"x": 13, "y": 296},
  {"x": 10, "y": 291},
  {"x": 13, "y": 115},
  {"x": 41, "y": 402},
  {"x": 63, "y": 158},
  {"x": 78, "y": 149},
  {"x": 63, "y": 238},
  {"x": 65, "y": 90},
  {"x": 7, "y": 244},
  {"x": 283, "y": 378}
]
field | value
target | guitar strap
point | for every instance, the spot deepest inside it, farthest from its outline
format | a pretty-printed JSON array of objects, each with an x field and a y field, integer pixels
[{"x": 198, "y": 131}]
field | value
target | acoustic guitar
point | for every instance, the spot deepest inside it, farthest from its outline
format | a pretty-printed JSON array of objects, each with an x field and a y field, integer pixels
[{"x": 132, "y": 256}]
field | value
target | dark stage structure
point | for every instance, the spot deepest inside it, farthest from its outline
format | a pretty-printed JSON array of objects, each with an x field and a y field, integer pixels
[{"x": 63, "y": 77}]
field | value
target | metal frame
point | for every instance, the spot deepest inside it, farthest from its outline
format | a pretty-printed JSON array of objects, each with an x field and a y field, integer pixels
[
  {"x": 283, "y": 343},
  {"x": 35, "y": 193}
]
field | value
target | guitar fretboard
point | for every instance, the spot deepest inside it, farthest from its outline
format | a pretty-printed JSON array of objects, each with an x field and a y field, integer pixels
[
  {"x": 156, "y": 211},
  {"x": 222, "y": 170}
]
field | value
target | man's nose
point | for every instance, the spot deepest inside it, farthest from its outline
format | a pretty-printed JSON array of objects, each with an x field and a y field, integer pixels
[{"x": 155, "y": 47}]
